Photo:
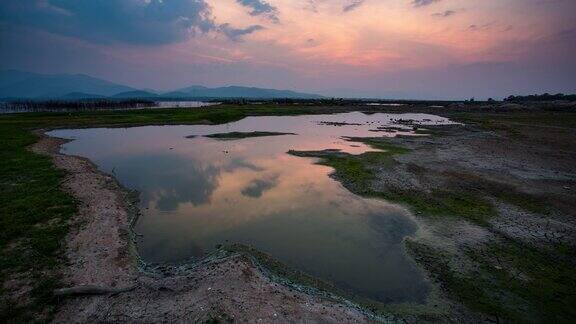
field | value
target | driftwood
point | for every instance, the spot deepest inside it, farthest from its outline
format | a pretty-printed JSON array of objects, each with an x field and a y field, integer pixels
[{"x": 91, "y": 290}]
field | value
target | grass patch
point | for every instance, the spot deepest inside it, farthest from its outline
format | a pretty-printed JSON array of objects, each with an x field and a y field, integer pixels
[
  {"x": 464, "y": 198},
  {"x": 514, "y": 283},
  {"x": 443, "y": 203},
  {"x": 33, "y": 222},
  {"x": 545, "y": 281},
  {"x": 461, "y": 287},
  {"x": 503, "y": 192},
  {"x": 380, "y": 143},
  {"x": 241, "y": 135},
  {"x": 356, "y": 172}
]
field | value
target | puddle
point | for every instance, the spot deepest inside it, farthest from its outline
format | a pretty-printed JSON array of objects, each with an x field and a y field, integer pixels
[{"x": 198, "y": 192}]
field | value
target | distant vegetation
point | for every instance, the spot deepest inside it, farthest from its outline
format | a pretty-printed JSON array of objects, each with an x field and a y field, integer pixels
[
  {"x": 74, "y": 105},
  {"x": 542, "y": 97}
]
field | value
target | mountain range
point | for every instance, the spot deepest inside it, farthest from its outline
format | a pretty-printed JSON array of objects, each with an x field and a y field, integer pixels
[{"x": 27, "y": 85}]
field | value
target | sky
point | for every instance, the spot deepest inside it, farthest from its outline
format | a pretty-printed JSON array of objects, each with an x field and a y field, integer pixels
[{"x": 410, "y": 49}]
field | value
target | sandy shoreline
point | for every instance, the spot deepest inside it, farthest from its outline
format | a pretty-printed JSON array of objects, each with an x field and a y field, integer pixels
[{"x": 99, "y": 252}]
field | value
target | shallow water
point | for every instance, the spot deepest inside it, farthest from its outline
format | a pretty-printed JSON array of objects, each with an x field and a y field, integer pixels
[{"x": 199, "y": 192}]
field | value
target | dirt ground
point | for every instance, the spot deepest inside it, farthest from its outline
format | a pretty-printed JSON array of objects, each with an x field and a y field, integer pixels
[{"x": 537, "y": 162}]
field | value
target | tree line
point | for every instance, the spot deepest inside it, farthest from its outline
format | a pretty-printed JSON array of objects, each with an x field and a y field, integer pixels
[
  {"x": 73, "y": 105},
  {"x": 542, "y": 97}
]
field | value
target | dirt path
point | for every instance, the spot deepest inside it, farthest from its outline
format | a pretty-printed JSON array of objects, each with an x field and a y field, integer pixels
[{"x": 224, "y": 287}]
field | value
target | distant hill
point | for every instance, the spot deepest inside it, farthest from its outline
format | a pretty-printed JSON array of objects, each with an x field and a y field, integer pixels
[
  {"x": 8, "y": 77},
  {"x": 241, "y": 92},
  {"x": 26, "y": 85},
  {"x": 80, "y": 95},
  {"x": 134, "y": 95},
  {"x": 175, "y": 94},
  {"x": 32, "y": 85}
]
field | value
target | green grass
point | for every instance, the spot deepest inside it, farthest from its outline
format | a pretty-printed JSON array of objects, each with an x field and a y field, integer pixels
[
  {"x": 443, "y": 203},
  {"x": 215, "y": 115},
  {"x": 356, "y": 172},
  {"x": 514, "y": 283},
  {"x": 34, "y": 213},
  {"x": 381, "y": 143},
  {"x": 542, "y": 281},
  {"x": 464, "y": 198}
]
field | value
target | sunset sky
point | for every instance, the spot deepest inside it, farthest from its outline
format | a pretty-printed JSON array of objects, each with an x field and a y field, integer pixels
[{"x": 378, "y": 48}]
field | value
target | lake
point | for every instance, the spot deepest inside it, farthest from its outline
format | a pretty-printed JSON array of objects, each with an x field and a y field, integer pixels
[{"x": 197, "y": 192}]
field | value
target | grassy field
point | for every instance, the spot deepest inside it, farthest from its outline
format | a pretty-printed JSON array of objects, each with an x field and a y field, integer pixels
[{"x": 34, "y": 210}]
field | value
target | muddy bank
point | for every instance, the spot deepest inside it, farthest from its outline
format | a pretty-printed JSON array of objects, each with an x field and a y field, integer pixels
[{"x": 225, "y": 286}]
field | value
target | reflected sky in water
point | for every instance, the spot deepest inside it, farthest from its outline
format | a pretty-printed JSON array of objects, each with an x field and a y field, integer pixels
[{"x": 199, "y": 192}]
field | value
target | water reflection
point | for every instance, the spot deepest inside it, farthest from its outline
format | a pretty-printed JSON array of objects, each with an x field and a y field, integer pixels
[
  {"x": 199, "y": 192},
  {"x": 168, "y": 178}
]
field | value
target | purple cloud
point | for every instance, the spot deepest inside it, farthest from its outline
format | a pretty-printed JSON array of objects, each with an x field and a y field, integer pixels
[
  {"x": 422, "y": 3},
  {"x": 352, "y": 5},
  {"x": 445, "y": 14},
  {"x": 107, "y": 21},
  {"x": 236, "y": 34},
  {"x": 261, "y": 8}
]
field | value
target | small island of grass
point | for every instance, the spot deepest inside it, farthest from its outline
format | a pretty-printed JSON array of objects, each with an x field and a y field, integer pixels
[{"x": 241, "y": 135}]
